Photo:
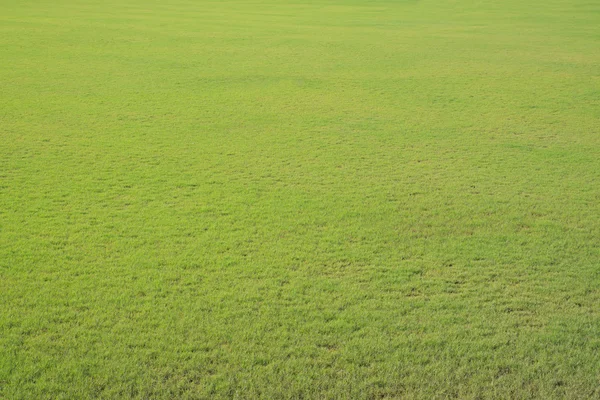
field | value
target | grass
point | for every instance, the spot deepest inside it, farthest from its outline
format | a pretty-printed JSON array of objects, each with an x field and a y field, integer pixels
[{"x": 315, "y": 199}]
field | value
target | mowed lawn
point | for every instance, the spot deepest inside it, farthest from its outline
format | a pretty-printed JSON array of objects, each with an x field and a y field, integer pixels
[{"x": 304, "y": 200}]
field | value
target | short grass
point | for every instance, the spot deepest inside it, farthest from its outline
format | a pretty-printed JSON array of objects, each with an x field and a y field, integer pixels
[{"x": 312, "y": 199}]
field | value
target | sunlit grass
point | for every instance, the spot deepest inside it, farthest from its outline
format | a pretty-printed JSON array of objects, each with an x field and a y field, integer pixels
[{"x": 361, "y": 199}]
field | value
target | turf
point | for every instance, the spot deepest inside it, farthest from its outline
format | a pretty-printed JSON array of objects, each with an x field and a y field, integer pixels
[{"x": 312, "y": 199}]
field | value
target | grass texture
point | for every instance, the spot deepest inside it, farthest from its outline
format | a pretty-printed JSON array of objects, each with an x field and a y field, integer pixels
[{"x": 299, "y": 200}]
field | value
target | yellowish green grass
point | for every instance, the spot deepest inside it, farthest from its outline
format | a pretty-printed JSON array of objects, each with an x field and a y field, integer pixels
[{"x": 316, "y": 199}]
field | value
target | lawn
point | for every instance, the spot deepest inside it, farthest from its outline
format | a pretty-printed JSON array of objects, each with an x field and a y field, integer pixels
[{"x": 299, "y": 200}]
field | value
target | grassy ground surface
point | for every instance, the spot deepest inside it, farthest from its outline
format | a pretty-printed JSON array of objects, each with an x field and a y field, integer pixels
[{"x": 313, "y": 199}]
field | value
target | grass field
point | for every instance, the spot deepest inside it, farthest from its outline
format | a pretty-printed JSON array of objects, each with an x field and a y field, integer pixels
[{"x": 313, "y": 199}]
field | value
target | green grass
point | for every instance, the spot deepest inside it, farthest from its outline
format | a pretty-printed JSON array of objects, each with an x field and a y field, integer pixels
[{"x": 315, "y": 199}]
